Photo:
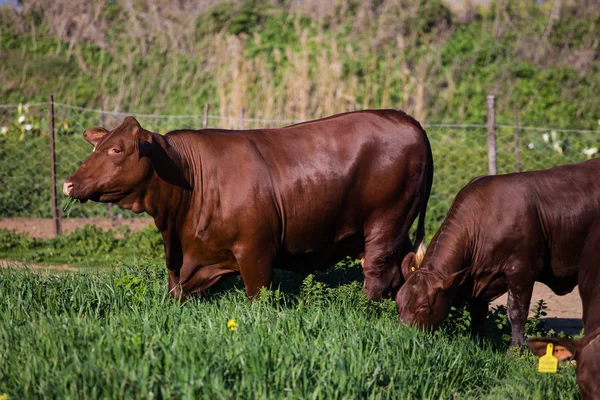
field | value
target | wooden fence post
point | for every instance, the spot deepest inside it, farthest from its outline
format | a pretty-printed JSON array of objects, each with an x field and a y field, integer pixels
[
  {"x": 109, "y": 206},
  {"x": 55, "y": 209},
  {"x": 205, "y": 122},
  {"x": 242, "y": 120},
  {"x": 491, "y": 136},
  {"x": 517, "y": 141}
]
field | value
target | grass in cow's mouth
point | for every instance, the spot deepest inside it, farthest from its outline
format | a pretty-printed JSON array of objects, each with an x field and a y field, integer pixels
[{"x": 69, "y": 205}]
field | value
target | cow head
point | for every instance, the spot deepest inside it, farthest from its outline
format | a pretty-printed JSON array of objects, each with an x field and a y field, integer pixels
[
  {"x": 121, "y": 164},
  {"x": 426, "y": 297},
  {"x": 587, "y": 353}
]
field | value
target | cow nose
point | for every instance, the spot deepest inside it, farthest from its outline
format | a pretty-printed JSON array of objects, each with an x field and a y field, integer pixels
[{"x": 67, "y": 188}]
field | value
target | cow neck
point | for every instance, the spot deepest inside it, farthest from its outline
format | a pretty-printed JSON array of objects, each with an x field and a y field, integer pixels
[
  {"x": 164, "y": 202},
  {"x": 167, "y": 203},
  {"x": 447, "y": 253}
]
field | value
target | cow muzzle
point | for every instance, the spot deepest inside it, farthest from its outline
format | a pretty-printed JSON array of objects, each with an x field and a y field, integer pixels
[{"x": 68, "y": 188}]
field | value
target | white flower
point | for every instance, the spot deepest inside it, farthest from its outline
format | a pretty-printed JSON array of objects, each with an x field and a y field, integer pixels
[
  {"x": 558, "y": 147},
  {"x": 4, "y": 130},
  {"x": 590, "y": 152},
  {"x": 530, "y": 145},
  {"x": 21, "y": 119},
  {"x": 546, "y": 137},
  {"x": 553, "y": 134},
  {"x": 28, "y": 127}
]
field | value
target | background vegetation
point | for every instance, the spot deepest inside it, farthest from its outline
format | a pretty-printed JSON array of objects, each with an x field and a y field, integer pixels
[
  {"x": 292, "y": 59},
  {"x": 295, "y": 60}
]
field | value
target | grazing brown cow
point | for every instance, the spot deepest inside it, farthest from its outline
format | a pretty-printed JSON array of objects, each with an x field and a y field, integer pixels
[
  {"x": 586, "y": 350},
  {"x": 299, "y": 198},
  {"x": 504, "y": 233}
]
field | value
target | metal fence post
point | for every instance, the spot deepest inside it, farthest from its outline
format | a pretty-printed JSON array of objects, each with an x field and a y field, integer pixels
[
  {"x": 205, "y": 122},
  {"x": 491, "y": 136},
  {"x": 517, "y": 141},
  {"x": 55, "y": 209}
]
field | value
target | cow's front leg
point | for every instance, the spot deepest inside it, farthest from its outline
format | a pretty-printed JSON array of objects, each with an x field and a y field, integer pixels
[
  {"x": 173, "y": 261},
  {"x": 256, "y": 267},
  {"x": 519, "y": 297},
  {"x": 174, "y": 286}
]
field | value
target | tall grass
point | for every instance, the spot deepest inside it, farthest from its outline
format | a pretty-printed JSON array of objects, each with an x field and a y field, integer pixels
[{"x": 114, "y": 334}]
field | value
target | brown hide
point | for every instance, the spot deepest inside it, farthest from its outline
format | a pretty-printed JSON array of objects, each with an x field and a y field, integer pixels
[
  {"x": 501, "y": 234},
  {"x": 300, "y": 197}
]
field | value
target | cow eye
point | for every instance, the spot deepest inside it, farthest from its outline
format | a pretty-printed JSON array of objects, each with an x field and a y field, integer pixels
[{"x": 116, "y": 151}]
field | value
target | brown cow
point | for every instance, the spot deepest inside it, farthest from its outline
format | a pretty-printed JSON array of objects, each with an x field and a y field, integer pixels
[
  {"x": 504, "y": 233},
  {"x": 299, "y": 198},
  {"x": 586, "y": 350}
]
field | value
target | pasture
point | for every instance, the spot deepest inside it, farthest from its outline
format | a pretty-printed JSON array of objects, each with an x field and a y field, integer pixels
[
  {"x": 111, "y": 332},
  {"x": 93, "y": 319}
]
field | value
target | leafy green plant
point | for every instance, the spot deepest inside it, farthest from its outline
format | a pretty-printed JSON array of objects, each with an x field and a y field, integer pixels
[{"x": 133, "y": 287}]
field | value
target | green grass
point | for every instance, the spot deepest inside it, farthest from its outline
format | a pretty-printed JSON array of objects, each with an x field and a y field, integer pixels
[
  {"x": 87, "y": 247},
  {"x": 115, "y": 334}
]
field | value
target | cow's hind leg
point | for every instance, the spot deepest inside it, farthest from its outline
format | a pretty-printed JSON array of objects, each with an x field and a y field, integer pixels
[
  {"x": 384, "y": 250},
  {"x": 478, "y": 310}
]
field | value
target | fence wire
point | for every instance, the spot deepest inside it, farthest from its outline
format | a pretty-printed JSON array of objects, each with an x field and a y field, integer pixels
[{"x": 459, "y": 152}]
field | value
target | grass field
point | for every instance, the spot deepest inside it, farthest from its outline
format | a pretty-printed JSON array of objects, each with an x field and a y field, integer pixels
[{"x": 113, "y": 333}]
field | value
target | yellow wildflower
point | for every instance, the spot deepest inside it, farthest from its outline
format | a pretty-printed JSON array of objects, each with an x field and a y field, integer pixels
[
  {"x": 4, "y": 396},
  {"x": 231, "y": 324}
]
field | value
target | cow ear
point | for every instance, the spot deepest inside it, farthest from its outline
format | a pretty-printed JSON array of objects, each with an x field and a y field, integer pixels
[
  {"x": 563, "y": 348},
  {"x": 164, "y": 158},
  {"x": 132, "y": 124},
  {"x": 456, "y": 279},
  {"x": 145, "y": 142},
  {"x": 408, "y": 265},
  {"x": 94, "y": 135}
]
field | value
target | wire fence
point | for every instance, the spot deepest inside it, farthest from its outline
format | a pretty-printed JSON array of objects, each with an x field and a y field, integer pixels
[{"x": 460, "y": 153}]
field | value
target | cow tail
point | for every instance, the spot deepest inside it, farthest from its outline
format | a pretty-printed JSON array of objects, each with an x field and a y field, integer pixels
[{"x": 420, "y": 246}]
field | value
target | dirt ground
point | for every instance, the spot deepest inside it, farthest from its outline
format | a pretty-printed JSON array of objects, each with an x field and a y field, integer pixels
[
  {"x": 44, "y": 227},
  {"x": 564, "y": 312}
]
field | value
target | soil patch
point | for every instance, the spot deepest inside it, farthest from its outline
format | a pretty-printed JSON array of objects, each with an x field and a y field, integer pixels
[
  {"x": 564, "y": 312},
  {"x": 38, "y": 267},
  {"x": 44, "y": 227}
]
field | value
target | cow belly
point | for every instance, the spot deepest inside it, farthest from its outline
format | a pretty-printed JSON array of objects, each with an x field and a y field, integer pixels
[
  {"x": 308, "y": 261},
  {"x": 560, "y": 285}
]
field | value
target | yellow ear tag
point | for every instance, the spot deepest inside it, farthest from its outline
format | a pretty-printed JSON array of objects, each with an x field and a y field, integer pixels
[
  {"x": 413, "y": 269},
  {"x": 548, "y": 363}
]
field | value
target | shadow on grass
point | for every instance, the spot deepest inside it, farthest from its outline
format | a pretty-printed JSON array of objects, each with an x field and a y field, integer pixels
[
  {"x": 497, "y": 333},
  {"x": 570, "y": 326},
  {"x": 343, "y": 273}
]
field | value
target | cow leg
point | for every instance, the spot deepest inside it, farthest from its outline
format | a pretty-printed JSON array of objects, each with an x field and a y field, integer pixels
[
  {"x": 381, "y": 265},
  {"x": 520, "y": 290},
  {"x": 256, "y": 268},
  {"x": 174, "y": 286},
  {"x": 478, "y": 310}
]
